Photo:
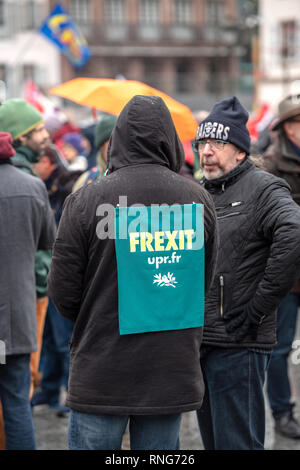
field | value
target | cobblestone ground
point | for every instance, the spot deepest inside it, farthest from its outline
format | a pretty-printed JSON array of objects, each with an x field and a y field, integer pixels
[{"x": 51, "y": 431}]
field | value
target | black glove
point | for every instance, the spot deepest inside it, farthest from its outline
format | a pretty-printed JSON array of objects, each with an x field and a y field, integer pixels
[{"x": 242, "y": 321}]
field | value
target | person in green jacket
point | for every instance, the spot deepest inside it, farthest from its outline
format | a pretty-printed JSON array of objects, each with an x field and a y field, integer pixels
[{"x": 26, "y": 126}]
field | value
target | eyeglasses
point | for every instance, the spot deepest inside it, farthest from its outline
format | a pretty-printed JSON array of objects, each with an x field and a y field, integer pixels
[{"x": 198, "y": 145}]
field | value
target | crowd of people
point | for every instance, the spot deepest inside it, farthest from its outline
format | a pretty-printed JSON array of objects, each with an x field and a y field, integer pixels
[{"x": 61, "y": 288}]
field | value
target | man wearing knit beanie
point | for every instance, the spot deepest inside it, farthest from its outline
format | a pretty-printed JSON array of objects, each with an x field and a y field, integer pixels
[
  {"x": 27, "y": 224},
  {"x": 225, "y": 124},
  {"x": 258, "y": 262},
  {"x": 26, "y": 126}
]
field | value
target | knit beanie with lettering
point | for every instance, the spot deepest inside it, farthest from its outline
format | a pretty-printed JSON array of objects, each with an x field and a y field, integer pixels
[
  {"x": 227, "y": 121},
  {"x": 18, "y": 117}
]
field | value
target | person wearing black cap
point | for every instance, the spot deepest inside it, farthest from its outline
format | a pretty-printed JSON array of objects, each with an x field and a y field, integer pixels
[
  {"x": 282, "y": 159},
  {"x": 258, "y": 261}
]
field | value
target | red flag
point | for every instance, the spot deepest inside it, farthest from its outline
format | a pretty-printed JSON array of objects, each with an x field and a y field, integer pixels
[{"x": 33, "y": 96}]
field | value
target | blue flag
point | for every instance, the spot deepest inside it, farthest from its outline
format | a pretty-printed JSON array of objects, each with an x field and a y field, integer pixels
[{"x": 60, "y": 28}]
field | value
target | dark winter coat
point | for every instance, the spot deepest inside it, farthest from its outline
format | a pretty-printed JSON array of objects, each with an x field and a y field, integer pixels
[
  {"x": 259, "y": 255},
  {"x": 282, "y": 160},
  {"x": 149, "y": 373},
  {"x": 26, "y": 224},
  {"x": 24, "y": 160}
]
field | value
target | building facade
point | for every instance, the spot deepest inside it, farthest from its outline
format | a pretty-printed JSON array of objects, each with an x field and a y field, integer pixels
[
  {"x": 24, "y": 53},
  {"x": 278, "y": 74},
  {"x": 190, "y": 49},
  {"x": 194, "y": 50}
]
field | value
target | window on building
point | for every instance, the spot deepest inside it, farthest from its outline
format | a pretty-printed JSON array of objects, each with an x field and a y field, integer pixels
[
  {"x": 149, "y": 20},
  {"x": 80, "y": 11},
  {"x": 288, "y": 38},
  {"x": 3, "y": 80},
  {"x": 182, "y": 77},
  {"x": 114, "y": 11},
  {"x": 152, "y": 73},
  {"x": 2, "y": 72},
  {"x": 28, "y": 72},
  {"x": 149, "y": 11},
  {"x": 32, "y": 13},
  {"x": 183, "y": 12},
  {"x": 214, "y": 76},
  {"x": 2, "y": 13},
  {"x": 29, "y": 20},
  {"x": 215, "y": 11}
]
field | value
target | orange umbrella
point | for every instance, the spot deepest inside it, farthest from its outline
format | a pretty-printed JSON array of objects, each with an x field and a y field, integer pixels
[{"x": 111, "y": 96}]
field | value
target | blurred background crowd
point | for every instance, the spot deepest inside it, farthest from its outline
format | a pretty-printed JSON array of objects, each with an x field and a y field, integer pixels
[{"x": 196, "y": 51}]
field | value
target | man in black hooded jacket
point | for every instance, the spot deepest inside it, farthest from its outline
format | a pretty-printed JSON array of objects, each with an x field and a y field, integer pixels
[
  {"x": 258, "y": 262},
  {"x": 146, "y": 378}
]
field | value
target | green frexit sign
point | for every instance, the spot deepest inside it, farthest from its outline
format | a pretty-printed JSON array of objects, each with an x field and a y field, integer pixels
[{"x": 160, "y": 262}]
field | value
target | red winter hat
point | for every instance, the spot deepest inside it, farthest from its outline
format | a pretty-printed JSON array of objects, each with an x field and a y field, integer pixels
[{"x": 6, "y": 148}]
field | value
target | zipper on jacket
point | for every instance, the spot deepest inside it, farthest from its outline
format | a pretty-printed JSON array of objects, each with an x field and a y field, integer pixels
[
  {"x": 231, "y": 214},
  {"x": 221, "y": 295},
  {"x": 237, "y": 203},
  {"x": 230, "y": 204}
]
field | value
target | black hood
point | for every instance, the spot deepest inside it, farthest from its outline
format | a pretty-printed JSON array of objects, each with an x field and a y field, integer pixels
[{"x": 145, "y": 133}]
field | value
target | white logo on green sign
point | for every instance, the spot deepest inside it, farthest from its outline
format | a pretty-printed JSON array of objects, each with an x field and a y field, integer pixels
[{"x": 165, "y": 280}]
